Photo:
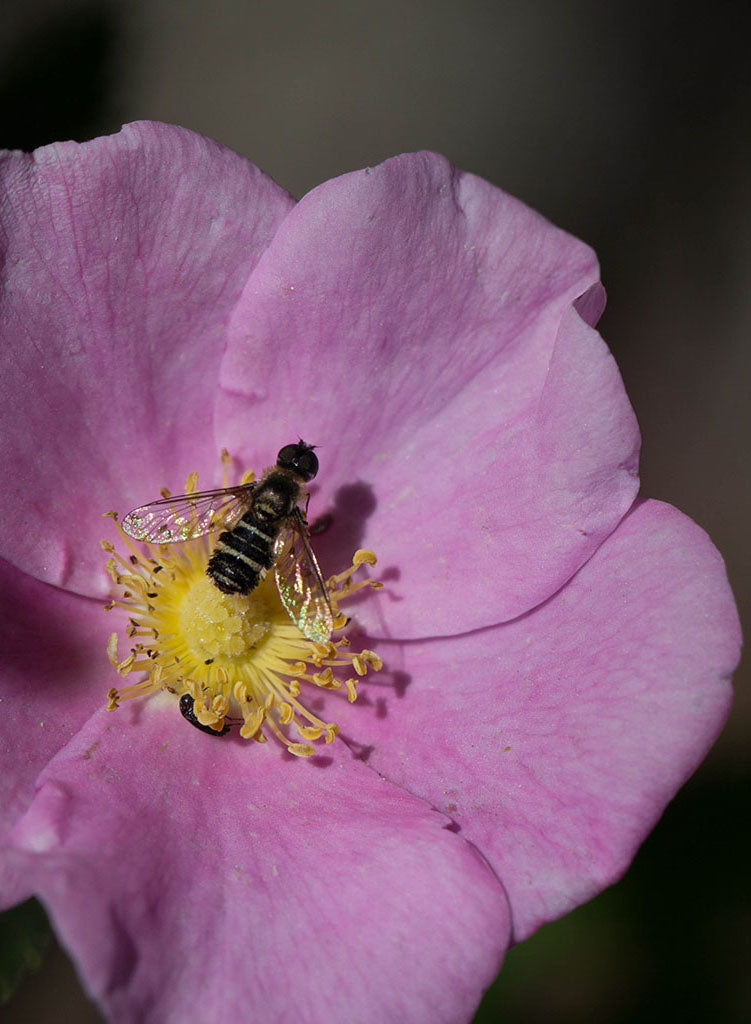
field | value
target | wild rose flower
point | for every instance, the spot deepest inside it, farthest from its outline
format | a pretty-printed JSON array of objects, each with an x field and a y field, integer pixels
[{"x": 556, "y": 653}]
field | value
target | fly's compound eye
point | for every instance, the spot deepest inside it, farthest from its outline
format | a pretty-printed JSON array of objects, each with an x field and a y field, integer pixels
[
  {"x": 286, "y": 457},
  {"x": 300, "y": 458},
  {"x": 307, "y": 464}
]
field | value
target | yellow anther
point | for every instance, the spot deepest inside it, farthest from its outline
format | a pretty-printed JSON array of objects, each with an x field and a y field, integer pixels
[
  {"x": 373, "y": 659},
  {"x": 112, "y": 649},
  {"x": 123, "y": 667},
  {"x": 301, "y": 749},
  {"x": 220, "y": 705},
  {"x": 203, "y": 713},
  {"x": 253, "y": 721}
]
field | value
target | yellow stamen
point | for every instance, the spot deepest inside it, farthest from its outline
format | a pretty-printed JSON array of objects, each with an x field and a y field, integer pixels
[{"x": 239, "y": 657}]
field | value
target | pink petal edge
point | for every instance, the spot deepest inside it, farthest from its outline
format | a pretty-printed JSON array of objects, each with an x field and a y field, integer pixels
[
  {"x": 416, "y": 323},
  {"x": 123, "y": 259},
  {"x": 53, "y": 656},
  {"x": 195, "y": 879},
  {"x": 555, "y": 741}
]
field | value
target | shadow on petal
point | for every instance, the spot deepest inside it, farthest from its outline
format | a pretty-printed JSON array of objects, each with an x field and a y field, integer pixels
[{"x": 340, "y": 528}]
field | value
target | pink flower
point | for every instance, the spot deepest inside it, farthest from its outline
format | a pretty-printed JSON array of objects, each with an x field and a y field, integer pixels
[{"x": 557, "y": 654}]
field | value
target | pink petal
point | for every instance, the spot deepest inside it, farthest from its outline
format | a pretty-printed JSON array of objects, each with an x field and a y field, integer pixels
[
  {"x": 123, "y": 260},
  {"x": 53, "y": 652},
  {"x": 199, "y": 879},
  {"x": 417, "y": 324},
  {"x": 555, "y": 741}
]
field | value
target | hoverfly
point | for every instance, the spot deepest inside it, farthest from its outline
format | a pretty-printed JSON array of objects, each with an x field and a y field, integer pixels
[{"x": 262, "y": 526}]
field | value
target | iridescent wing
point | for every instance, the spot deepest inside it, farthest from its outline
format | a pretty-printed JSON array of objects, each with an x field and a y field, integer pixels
[
  {"x": 299, "y": 581},
  {"x": 186, "y": 516}
]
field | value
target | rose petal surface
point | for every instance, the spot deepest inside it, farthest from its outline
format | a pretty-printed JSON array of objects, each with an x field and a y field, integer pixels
[
  {"x": 419, "y": 325},
  {"x": 195, "y": 879},
  {"x": 122, "y": 259},
  {"x": 52, "y": 655},
  {"x": 556, "y": 740}
]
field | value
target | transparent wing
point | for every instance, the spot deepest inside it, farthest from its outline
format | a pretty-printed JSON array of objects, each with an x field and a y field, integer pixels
[
  {"x": 299, "y": 581},
  {"x": 186, "y": 516}
]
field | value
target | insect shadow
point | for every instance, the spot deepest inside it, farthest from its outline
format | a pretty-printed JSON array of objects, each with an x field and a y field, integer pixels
[{"x": 338, "y": 531}]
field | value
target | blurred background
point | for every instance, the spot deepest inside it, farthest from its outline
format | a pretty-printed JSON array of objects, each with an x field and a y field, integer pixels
[{"x": 628, "y": 124}]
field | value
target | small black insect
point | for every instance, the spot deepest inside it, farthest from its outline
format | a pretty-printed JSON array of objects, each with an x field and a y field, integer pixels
[{"x": 186, "y": 710}]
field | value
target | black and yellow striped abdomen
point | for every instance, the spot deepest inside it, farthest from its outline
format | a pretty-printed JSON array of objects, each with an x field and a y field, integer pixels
[{"x": 244, "y": 554}]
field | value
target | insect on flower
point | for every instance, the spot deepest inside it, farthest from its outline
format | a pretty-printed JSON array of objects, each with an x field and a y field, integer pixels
[
  {"x": 263, "y": 525},
  {"x": 212, "y": 628}
]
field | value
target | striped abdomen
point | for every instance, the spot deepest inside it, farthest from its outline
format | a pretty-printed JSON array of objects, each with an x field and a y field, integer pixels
[{"x": 244, "y": 554}]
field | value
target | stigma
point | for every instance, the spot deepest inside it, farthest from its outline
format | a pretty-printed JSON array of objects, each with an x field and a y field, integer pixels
[{"x": 229, "y": 659}]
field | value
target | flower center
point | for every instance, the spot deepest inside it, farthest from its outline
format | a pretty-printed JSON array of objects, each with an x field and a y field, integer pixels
[
  {"x": 240, "y": 657},
  {"x": 223, "y": 627}
]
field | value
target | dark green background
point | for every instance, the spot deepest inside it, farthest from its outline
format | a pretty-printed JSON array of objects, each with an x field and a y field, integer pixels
[{"x": 627, "y": 123}]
